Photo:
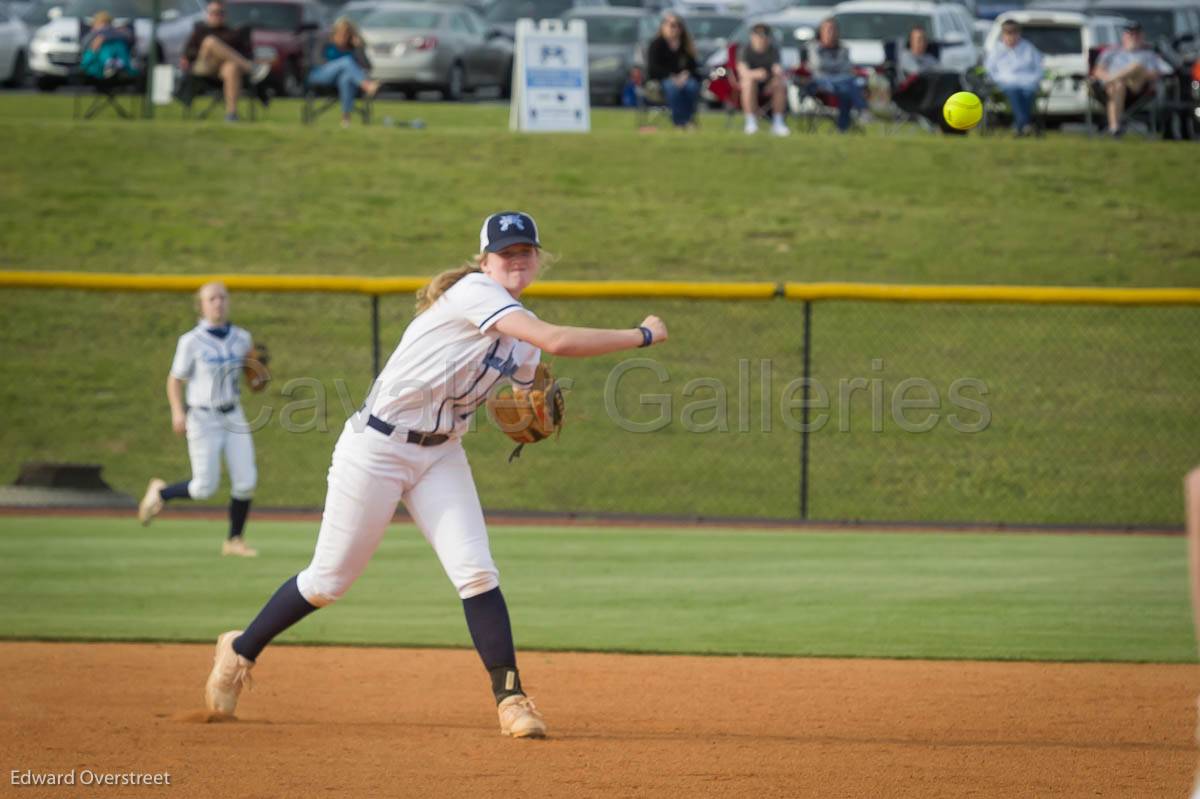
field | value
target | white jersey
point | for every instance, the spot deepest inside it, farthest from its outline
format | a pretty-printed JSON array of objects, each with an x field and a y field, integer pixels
[
  {"x": 450, "y": 357},
  {"x": 211, "y": 365}
]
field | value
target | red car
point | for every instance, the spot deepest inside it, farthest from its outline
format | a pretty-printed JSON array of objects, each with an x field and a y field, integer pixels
[{"x": 284, "y": 33}]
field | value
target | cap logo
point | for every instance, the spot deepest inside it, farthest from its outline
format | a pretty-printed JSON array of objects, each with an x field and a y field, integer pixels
[{"x": 509, "y": 220}]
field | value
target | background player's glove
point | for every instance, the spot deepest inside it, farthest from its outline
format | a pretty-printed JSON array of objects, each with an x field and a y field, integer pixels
[
  {"x": 528, "y": 414},
  {"x": 255, "y": 367}
]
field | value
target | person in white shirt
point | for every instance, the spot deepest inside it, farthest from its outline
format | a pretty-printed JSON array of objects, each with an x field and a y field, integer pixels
[
  {"x": 208, "y": 361},
  {"x": 1015, "y": 65},
  {"x": 470, "y": 334},
  {"x": 1129, "y": 69}
]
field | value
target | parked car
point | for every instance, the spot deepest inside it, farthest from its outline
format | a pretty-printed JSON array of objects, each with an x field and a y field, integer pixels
[
  {"x": 502, "y": 15},
  {"x": 616, "y": 39},
  {"x": 710, "y": 30},
  {"x": 284, "y": 34},
  {"x": 14, "y": 44},
  {"x": 54, "y": 50},
  {"x": 864, "y": 25},
  {"x": 1064, "y": 39},
  {"x": 416, "y": 46}
]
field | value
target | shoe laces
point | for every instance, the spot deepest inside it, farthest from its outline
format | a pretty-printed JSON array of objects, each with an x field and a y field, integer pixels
[
  {"x": 524, "y": 703},
  {"x": 239, "y": 674}
]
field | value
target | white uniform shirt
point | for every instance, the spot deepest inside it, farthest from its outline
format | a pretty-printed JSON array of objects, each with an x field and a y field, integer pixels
[
  {"x": 211, "y": 366},
  {"x": 450, "y": 357}
]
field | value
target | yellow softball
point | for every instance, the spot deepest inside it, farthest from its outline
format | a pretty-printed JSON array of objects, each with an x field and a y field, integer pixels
[{"x": 962, "y": 111}]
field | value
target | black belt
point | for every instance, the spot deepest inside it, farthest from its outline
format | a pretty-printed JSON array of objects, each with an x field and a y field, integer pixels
[
  {"x": 219, "y": 409},
  {"x": 413, "y": 437}
]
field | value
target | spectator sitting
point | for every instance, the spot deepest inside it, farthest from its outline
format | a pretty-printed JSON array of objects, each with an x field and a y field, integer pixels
[
  {"x": 922, "y": 85},
  {"x": 217, "y": 50},
  {"x": 760, "y": 74},
  {"x": 834, "y": 73},
  {"x": 106, "y": 51},
  {"x": 1015, "y": 65},
  {"x": 1131, "y": 68},
  {"x": 629, "y": 92},
  {"x": 342, "y": 62},
  {"x": 671, "y": 60}
]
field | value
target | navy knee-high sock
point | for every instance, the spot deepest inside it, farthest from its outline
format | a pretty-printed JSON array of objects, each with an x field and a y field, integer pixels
[
  {"x": 176, "y": 491},
  {"x": 284, "y": 609},
  {"x": 491, "y": 630},
  {"x": 238, "y": 510}
]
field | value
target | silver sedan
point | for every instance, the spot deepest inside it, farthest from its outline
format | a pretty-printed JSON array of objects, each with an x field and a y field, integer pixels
[{"x": 416, "y": 46}]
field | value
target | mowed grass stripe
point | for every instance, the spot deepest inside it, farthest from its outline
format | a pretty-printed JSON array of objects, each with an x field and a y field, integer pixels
[{"x": 910, "y": 595}]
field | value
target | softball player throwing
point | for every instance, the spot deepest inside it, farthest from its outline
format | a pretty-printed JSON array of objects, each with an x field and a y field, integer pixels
[
  {"x": 471, "y": 332},
  {"x": 209, "y": 361}
]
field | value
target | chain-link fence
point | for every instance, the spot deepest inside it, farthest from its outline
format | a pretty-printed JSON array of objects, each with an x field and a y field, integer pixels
[
  {"x": 941, "y": 412},
  {"x": 924, "y": 412}
]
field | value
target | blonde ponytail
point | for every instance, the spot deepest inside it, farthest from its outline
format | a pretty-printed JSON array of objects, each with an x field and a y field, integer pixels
[{"x": 437, "y": 287}]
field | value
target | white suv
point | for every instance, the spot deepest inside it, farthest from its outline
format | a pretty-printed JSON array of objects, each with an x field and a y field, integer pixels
[
  {"x": 864, "y": 25},
  {"x": 1064, "y": 39},
  {"x": 54, "y": 50}
]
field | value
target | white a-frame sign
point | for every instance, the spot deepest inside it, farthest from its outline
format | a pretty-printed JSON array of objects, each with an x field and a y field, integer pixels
[{"x": 550, "y": 77}]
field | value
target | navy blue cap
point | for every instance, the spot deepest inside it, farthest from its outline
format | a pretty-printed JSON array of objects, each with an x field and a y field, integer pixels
[{"x": 506, "y": 229}]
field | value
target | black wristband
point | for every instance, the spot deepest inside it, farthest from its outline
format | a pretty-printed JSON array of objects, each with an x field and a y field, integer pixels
[{"x": 647, "y": 337}]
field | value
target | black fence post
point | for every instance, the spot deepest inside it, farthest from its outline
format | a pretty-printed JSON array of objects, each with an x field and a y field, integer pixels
[
  {"x": 374, "y": 336},
  {"x": 804, "y": 410}
]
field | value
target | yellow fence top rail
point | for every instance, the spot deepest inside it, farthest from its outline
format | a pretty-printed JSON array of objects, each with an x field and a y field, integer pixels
[{"x": 617, "y": 289}]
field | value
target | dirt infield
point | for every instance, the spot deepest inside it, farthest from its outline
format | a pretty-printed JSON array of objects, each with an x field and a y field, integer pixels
[{"x": 386, "y": 722}]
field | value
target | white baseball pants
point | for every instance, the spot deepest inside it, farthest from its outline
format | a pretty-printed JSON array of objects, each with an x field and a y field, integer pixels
[
  {"x": 371, "y": 474},
  {"x": 211, "y": 433}
]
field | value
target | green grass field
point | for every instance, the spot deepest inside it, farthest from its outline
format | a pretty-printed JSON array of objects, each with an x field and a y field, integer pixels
[
  {"x": 1091, "y": 410},
  {"x": 710, "y": 591}
]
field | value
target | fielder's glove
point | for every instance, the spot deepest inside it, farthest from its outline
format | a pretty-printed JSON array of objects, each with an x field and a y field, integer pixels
[
  {"x": 255, "y": 367},
  {"x": 528, "y": 414}
]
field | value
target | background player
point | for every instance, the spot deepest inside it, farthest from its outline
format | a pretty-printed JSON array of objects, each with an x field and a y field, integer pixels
[
  {"x": 471, "y": 332},
  {"x": 209, "y": 360}
]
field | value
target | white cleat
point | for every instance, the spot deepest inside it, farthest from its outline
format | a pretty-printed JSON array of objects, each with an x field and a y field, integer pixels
[
  {"x": 520, "y": 719},
  {"x": 780, "y": 129},
  {"x": 237, "y": 546},
  {"x": 751, "y": 126},
  {"x": 151, "y": 504},
  {"x": 230, "y": 672}
]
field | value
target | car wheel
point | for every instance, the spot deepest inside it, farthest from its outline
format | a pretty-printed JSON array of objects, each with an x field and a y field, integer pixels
[
  {"x": 293, "y": 83},
  {"x": 455, "y": 82},
  {"x": 506, "y": 82},
  {"x": 47, "y": 83},
  {"x": 17, "y": 79}
]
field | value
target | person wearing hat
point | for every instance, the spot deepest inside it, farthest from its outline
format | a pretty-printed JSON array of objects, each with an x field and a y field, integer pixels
[
  {"x": 761, "y": 76},
  {"x": 1128, "y": 70},
  {"x": 1015, "y": 65},
  {"x": 471, "y": 333}
]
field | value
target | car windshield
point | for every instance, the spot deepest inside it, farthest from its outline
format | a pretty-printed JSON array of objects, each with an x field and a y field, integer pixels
[
  {"x": 880, "y": 26},
  {"x": 123, "y": 9},
  {"x": 1054, "y": 39},
  {"x": 38, "y": 14},
  {"x": 1157, "y": 24},
  {"x": 513, "y": 10},
  {"x": 711, "y": 27},
  {"x": 393, "y": 18},
  {"x": 263, "y": 16},
  {"x": 357, "y": 14},
  {"x": 611, "y": 30}
]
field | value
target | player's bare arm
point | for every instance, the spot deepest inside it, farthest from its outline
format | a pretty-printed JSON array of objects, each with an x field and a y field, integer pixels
[
  {"x": 175, "y": 398},
  {"x": 579, "y": 342}
]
